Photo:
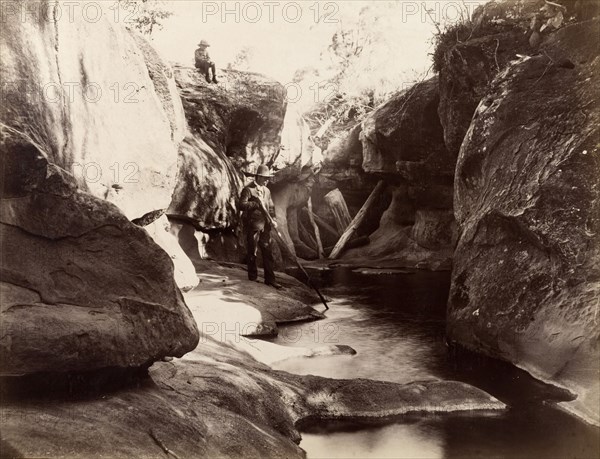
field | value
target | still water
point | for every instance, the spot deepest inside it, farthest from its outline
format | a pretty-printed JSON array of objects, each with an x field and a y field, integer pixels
[{"x": 396, "y": 324}]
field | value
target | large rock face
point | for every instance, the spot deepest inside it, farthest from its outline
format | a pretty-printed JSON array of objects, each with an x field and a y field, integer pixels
[
  {"x": 404, "y": 136},
  {"x": 241, "y": 117},
  {"x": 115, "y": 127},
  {"x": 525, "y": 280},
  {"x": 82, "y": 287},
  {"x": 469, "y": 67},
  {"x": 208, "y": 186},
  {"x": 470, "y": 56}
]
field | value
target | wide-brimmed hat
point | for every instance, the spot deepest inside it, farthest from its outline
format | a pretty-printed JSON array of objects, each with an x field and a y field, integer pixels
[
  {"x": 203, "y": 43},
  {"x": 261, "y": 171}
]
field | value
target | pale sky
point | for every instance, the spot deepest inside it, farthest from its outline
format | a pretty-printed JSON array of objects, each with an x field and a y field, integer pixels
[{"x": 287, "y": 35}]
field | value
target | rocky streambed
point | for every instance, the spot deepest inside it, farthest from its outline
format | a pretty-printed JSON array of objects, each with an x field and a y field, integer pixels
[
  {"x": 220, "y": 399},
  {"x": 396, "y": 323},
  {"x": 491, "y": 171}
]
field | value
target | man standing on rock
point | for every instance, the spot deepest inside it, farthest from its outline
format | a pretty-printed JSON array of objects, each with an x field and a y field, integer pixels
[
  {"x": 203, "y": 62},
  {"x": 255, "y": 202}
]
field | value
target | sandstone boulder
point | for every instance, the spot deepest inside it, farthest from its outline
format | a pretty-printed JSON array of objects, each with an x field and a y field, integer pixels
[
  {"x": 472, "y": 53},
  {"x": 433, "y": 229},
  {"x": 82, "y": 288},
  {"x": 525, "y": 280},
  {"x": 241, "y": 117},
  {"x": 404, "y": 136},
  {"x": 208, "y": 186}
]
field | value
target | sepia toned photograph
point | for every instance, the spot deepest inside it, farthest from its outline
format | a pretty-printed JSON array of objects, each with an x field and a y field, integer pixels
[{"x": 311, "y": 229}]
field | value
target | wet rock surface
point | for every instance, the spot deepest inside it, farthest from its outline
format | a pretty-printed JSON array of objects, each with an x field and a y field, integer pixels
[
  {"x": 525, "y": 279},
  {"x": 251, "y": 308},
  {"x": 207, "y": 187}
]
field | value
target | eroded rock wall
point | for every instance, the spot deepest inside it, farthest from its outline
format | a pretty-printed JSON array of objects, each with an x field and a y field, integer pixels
[
  {"x": 89, "y": 136},
  {"x": 401, "y": 142},
  {"x": 468, "y": 70},
  {"x": 527, "y": 200},
  {"x": 116, "y": 128},
  {"x": 474, "y": 52}
]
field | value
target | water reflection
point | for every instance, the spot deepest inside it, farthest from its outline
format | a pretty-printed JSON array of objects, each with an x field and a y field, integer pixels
[
  {"x": 396, "y": 324},
  {"x": 392, "y": 441},
  {"x": 383, "y": 339}
]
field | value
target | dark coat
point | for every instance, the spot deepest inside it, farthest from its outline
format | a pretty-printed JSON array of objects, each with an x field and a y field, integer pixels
[
  {"x": 201, "y": 56},
  {"x": 253, "y": 217}
]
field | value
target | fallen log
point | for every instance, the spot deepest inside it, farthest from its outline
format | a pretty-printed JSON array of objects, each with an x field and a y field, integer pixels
[
  {"x": 311, "y": 217},
  {"x": 357, "y": 220},
  {"x": 339, "y": 209}
]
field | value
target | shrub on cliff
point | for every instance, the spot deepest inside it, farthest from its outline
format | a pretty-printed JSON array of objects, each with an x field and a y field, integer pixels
[
  {"x": 525, "y": 16},
  {"x": 145, "y": 15}
]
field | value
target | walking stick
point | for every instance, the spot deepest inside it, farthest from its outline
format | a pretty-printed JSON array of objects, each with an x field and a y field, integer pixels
[{"x": 282, "y": 242}]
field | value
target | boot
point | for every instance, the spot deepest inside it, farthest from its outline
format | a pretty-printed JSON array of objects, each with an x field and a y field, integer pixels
[
  {"x": 274, "y": 284},
  {"x": 207, "y": 76},
  {"x": 214, "y": 80}
]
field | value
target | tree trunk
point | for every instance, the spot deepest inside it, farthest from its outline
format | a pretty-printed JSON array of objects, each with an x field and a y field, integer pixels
[
  {"x": 337, "y": 204},
  {"x": 311, "y": 217},
  {"x": 357, "y": 220}
]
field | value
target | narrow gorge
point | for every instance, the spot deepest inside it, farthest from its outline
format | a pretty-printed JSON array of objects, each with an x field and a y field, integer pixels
[{"x": 470, "y": 201}]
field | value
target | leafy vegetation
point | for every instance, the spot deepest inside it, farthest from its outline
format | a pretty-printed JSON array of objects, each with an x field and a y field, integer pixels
[
  {"x": 146, "y": 15},
  {"x": 355, "y": 73}
]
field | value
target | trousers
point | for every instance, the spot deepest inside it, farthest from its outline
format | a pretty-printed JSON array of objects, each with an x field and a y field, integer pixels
[
  {"x": 262, "y": 239},
  {"x": 204, "y": 67}
]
